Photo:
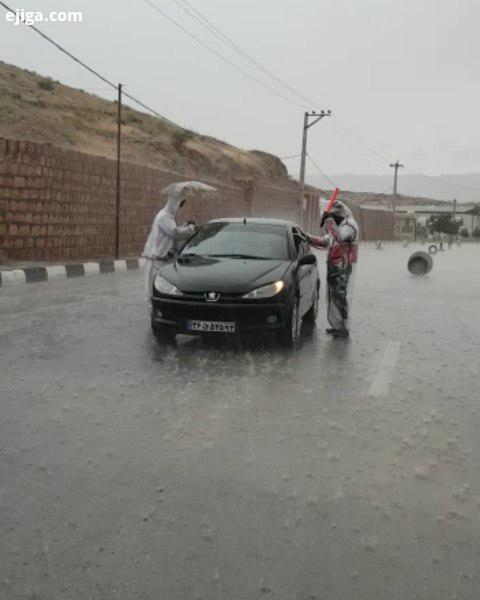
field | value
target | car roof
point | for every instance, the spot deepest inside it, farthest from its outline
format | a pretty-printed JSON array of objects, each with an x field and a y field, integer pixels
[{"x": 259, "y": 220}]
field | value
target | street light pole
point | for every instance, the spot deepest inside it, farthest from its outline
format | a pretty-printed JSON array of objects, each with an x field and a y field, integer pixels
[
  {"x": 316, "y": 116},
  {"x": 118, "y": 196}
]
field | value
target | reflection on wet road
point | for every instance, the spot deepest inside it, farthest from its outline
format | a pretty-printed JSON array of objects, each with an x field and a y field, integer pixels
[{"x": 347, "y": 469}]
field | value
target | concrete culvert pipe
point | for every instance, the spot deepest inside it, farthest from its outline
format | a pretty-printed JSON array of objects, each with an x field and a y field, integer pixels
[{"x": 420, "y": 263}]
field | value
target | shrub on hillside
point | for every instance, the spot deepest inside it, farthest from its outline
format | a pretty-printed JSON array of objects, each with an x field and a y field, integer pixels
[
  {"x": 47, "y": 85},
  {"x": 181, "y": 137}
]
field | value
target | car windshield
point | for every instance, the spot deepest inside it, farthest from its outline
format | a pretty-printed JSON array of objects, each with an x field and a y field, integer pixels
[{"x": 240, "y": 240}]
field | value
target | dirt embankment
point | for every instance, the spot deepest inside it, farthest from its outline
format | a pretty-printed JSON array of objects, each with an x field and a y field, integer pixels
[{"x": 36, "y": 108}]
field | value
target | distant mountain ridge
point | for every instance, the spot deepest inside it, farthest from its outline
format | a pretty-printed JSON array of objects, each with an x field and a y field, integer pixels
[{"x": 463, "y": 187}]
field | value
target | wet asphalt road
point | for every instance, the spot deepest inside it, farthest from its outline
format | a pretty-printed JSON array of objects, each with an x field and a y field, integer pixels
[{"x": 345, "y": 470}]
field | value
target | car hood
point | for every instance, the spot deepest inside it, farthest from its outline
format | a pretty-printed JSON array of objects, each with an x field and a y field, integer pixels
[{"x": 225, "y": 275}]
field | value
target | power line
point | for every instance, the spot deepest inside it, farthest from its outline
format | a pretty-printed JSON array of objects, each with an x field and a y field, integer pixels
[
  {"x": 194, "y": 13},
  {"x": 321, "y": 172},
  {"x": 292, "y": 156},
  {"x": 93, "y": 71},
  {"x": 354, "y": 136},
  {"x": 220, "y": 56},
  {"x": 69, "y": 54},
  {"x": 200, "y": 18},
  {"x": 347, "y": 134}
]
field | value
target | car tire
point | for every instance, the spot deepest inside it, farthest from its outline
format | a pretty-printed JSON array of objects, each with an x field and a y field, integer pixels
[
  {"x": 291, "y": 331},
  {"x": 312, "y": 314},
  {"x": 163, "y": 333}
]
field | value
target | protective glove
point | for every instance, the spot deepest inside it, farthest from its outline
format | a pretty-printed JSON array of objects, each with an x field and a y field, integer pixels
[
  {"x": 325, "y": 218},
  {"x": 329, "y": 240}
]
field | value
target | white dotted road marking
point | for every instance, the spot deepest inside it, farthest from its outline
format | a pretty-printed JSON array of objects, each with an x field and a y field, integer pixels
[{"x": 382, "y": 378}]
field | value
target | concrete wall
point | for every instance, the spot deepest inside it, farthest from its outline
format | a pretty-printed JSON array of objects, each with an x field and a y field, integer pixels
[
  {"x": 470, "y": 221},
  {"x": 58, "y": 205},
  {"x": 405, "y": 227}
]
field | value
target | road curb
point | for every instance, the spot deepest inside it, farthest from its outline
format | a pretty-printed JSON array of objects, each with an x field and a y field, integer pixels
[{"x": 70, "y": 271}]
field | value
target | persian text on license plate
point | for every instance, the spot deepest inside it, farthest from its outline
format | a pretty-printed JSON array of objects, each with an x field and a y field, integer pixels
[{"x": 212, "y": 326}]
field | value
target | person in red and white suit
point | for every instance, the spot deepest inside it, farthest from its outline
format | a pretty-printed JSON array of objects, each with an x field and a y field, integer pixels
[{"x": 340, "y": 234}]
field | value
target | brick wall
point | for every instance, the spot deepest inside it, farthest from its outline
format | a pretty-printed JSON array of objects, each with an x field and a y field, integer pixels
[
  {"x": 55, "y": 204},
  {"x": 59, "y": 205}
]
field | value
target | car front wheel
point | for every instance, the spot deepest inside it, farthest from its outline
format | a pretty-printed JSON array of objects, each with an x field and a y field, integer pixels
[{"x": 291, "y": 330}]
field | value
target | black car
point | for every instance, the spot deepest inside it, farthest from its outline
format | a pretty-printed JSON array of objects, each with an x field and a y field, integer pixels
[{"x": 238, "y": 276}]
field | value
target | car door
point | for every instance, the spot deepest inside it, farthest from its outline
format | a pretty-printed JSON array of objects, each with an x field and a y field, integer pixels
[{"x": 305, "y": 272}]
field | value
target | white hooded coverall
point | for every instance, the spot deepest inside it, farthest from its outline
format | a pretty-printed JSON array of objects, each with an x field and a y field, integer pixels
[
  {"x": 340, "y": 241},
  {"x": 164, "y": 235}
]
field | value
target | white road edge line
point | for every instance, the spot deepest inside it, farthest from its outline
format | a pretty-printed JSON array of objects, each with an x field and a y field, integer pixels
[{"x": 382, "y": 378}]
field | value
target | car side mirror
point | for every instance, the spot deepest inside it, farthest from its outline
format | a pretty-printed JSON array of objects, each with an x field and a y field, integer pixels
[{"x": 308, "y": 259}]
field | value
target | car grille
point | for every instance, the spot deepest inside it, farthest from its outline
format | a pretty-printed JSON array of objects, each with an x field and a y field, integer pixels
[
  {"x": 243, "y": 313},
  {"x": 200, "y": 297}
]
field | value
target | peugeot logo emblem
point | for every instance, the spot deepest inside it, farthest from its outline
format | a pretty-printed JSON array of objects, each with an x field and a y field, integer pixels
[{"x": 212, "y": 296}]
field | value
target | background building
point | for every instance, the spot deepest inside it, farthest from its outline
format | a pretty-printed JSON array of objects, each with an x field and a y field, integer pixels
[{"x": 468, "y": 213}]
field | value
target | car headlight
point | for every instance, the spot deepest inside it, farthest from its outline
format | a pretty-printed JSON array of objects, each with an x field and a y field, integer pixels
[
  {"x": 165, "y": 287},
  {"x": 266, "y": 291}
]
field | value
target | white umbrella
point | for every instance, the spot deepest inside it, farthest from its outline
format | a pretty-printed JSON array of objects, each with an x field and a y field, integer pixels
[{"x": 181, "y": 186}]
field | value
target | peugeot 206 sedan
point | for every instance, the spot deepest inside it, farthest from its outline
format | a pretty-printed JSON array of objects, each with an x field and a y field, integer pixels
[{"x": 238, "y": 276}]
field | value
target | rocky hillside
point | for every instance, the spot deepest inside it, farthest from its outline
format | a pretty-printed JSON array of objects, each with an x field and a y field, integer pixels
[{"x": 36, "y": 108}]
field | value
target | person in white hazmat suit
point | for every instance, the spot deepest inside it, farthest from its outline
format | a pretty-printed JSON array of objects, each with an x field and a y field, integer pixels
[{"x": 162, "y": 243}]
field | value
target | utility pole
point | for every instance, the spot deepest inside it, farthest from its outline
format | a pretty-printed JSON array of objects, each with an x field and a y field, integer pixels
[
  {"x": 118, "y": 196},
  {"x": 396, "y": 166},
  {"x": 454, "y": 213},
  {"x": 316, "y": 116}
]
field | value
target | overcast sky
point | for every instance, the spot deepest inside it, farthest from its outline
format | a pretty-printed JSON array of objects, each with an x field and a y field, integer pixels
[{"x": 403, "y": 76}]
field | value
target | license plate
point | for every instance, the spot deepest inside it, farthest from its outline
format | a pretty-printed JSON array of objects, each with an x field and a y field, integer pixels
[{"x": 212, "y": 326}]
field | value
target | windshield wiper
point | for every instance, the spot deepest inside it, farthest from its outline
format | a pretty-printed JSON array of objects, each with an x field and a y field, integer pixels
[{"x": 252, "y": 256}]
